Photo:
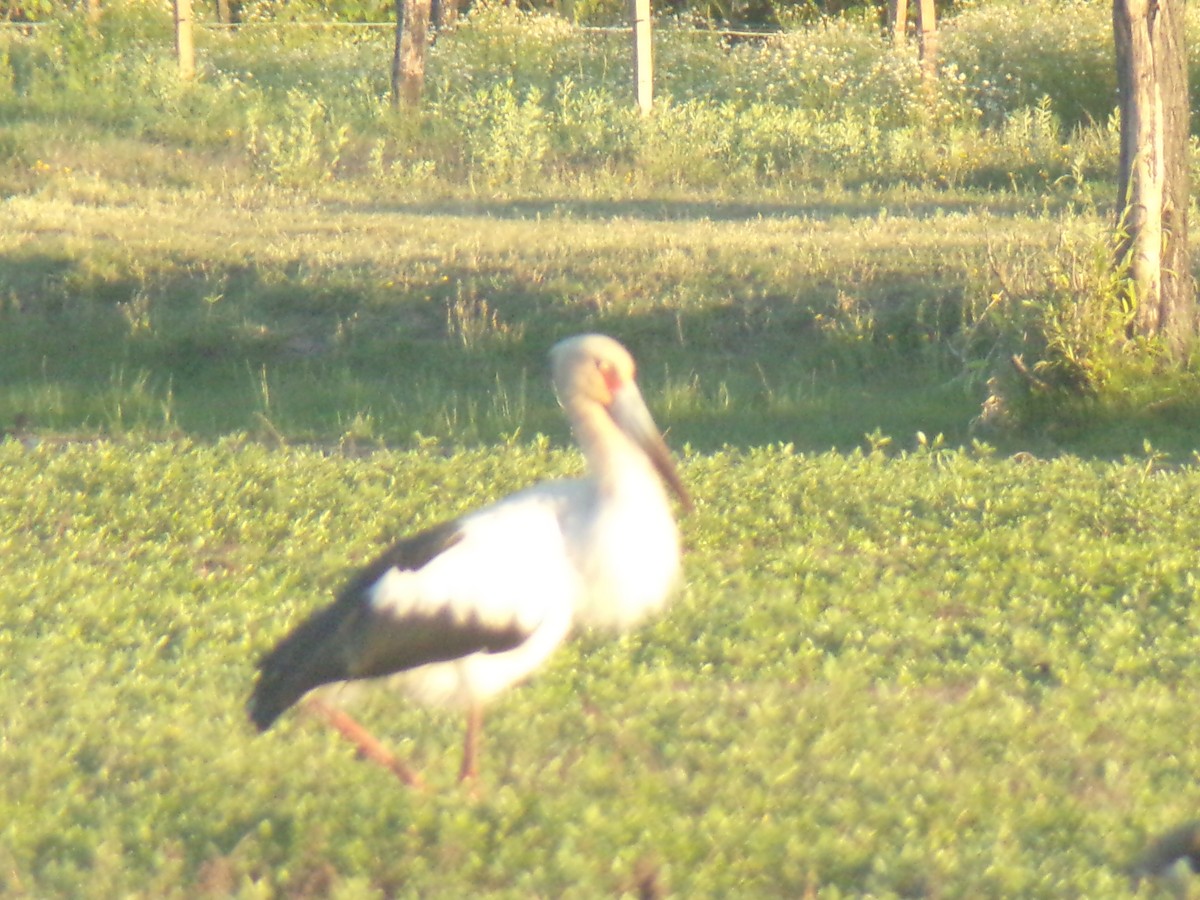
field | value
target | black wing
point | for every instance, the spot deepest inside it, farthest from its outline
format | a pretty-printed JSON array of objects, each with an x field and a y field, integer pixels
[{"x": 348, "y": 639}]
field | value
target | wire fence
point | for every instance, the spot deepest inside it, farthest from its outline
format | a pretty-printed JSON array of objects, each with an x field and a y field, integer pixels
[{"x": 742, "y": 34}]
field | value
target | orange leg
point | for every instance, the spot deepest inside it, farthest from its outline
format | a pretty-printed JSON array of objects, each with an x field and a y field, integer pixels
[
  {"x": 367, "y": 745},
  {"x": 470, "y": 760}
]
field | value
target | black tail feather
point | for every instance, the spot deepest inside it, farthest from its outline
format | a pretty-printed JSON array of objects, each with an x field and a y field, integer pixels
[{"x": 313, "y": 654}]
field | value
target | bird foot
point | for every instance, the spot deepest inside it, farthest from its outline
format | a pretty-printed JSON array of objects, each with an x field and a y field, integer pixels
[
  {"x": 469, "y": 781},
  {"x": 368, "y": 747}
]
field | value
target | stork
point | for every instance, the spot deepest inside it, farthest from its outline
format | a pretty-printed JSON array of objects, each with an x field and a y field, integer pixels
[{"x": 462, "y": 611}]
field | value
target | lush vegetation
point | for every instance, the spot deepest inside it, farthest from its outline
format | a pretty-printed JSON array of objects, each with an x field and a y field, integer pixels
[
  {"x": 758, "y": 13},
  {"x": 254, "y": 326},
  {"x": 520, "y": 101},
  {"x": 939, "y": 673}
]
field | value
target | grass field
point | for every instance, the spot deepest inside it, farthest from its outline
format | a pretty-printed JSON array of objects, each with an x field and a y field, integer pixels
[
  {"x": 382, "y": 323},
  {"x": 272, "y": 249},
  {"x": 254, "y": 328},
  {"x": 935, "y": 674}
]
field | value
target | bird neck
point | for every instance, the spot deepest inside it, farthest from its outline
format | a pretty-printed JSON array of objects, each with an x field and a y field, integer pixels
[{"x": 612, "y": 457}]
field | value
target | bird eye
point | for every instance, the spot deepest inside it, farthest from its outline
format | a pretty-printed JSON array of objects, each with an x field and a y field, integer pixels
[{"x": 612, "y": 378}]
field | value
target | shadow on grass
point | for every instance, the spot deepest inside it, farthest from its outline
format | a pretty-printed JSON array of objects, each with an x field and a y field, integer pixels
[{"x": 315, "y": 360}]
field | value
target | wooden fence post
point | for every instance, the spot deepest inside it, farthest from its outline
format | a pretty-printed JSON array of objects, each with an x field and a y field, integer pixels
[
  {"x": 927, "y": 29},
  {"x": 412, "y": 46},
  {"x": 185, "y": 45},
  {"x": 643, "y": 55},
  {"x": 898, "y": 22}
]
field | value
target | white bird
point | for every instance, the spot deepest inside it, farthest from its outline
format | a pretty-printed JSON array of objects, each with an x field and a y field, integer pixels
[{"x": 462, "y": 611}]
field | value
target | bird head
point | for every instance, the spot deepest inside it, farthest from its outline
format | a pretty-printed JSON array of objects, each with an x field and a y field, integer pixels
[{"x": 594, "y": 370}]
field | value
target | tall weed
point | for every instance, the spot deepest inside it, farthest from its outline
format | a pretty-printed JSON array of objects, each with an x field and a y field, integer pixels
[
  {"x": 300, "y": 144},
  {"x": 1051, "y": 333},
  {"x": 1013, "y": 53},
  {"x": 506, "y": 134}
]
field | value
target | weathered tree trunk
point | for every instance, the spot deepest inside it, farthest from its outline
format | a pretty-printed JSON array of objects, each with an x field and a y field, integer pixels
[
  {"x": 443, "y": 13},
  {"x": 897, "y": 22},
  {"x": 927, "y": 30},
  {"x": 397, "y": 64},
  {"x": 1153, "y": 180},
  {"x": 185, "y": 45},
  {"x": 643, "y": 54},
  {"x": 412, "y": 48}
]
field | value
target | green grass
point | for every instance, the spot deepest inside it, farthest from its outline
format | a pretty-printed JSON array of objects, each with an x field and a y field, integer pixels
[
  {"x": 815, "y": 324},
  {"x": 940, "y": 673},
  {"x": 206, "y": 320},
  {"x": 273, "y": 250},
  {"x": 253, "y": 328}
]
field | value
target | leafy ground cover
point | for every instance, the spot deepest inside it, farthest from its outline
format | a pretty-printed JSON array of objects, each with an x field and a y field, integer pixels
[{"x": 937, "y": 673}]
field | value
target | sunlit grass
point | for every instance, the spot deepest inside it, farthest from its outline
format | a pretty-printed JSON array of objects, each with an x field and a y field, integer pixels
[
  {"x": 525, "y": 103},
  {"x": 868, "y": 644}
]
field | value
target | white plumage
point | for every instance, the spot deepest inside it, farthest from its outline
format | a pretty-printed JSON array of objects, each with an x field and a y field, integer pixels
[
  {"x": 511, "y": 569},
  {"x": 460, "y": 612}
]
